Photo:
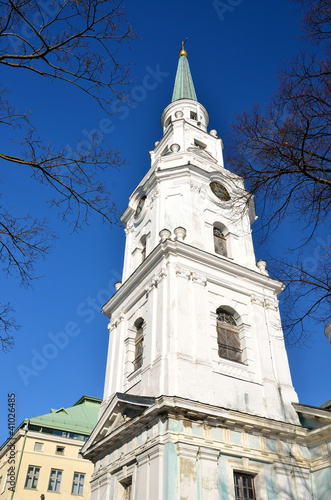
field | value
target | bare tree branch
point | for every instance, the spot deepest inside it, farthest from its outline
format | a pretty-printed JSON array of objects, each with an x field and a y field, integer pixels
[
  {"x": 77, "y": 42},
  {"x": 7, "y": 326},
  {"x": 283, "y": 151}
]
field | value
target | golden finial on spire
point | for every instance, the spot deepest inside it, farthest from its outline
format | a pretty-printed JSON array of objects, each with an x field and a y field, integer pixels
[{"x": 182, "y": 51}]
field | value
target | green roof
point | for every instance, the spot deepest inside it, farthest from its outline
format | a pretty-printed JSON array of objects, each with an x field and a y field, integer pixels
[
  {"x": 80, "y": 418},
  {"x": 184, "y": 88}
]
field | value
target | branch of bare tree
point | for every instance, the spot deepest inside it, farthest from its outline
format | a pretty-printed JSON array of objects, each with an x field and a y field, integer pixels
[
  {"x": 283, "y": 151},
  {"x": 77, "y": 42}
]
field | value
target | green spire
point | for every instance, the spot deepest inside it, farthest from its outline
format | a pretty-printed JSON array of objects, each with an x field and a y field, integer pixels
[{"x": 184, "y": 88}]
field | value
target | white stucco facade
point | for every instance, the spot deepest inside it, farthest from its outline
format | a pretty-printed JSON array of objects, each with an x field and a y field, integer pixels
[
  {"x": 182, "y": 282},
  {"x": 179, "y": 419}
]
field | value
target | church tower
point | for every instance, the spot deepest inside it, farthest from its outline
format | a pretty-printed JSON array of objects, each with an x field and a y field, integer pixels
[{"x": 198, "y": 389}]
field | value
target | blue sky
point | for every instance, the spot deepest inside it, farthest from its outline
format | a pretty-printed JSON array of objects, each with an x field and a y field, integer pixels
[{"x": 233, "y": 60}]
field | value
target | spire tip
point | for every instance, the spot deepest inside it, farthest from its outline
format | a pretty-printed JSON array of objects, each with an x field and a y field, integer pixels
[{"x": 182, "y": 51}]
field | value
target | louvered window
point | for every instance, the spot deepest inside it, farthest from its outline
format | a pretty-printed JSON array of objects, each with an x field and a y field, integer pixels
[
  {"x": 139, "y": 345},
  {"x": 220, "y": 242},
  {"x": 228, "y": 336}
]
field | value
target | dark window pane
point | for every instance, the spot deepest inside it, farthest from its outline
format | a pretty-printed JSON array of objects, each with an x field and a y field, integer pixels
[
  {"x": 229, "y": 346},
  {"x": 244, "y": 487},
  {"x": 139, "y": 346}
]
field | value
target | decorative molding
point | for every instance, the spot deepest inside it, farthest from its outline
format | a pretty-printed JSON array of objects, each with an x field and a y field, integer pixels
[
  {"x": 129, "y": 228},
  {"x": 115, "y": 420},
  {"x": 233, "y": 371},
  {"x": 155, "y": 280},
  {"x": 151, "y": 284},
  {"x": 209, "y": 453},
  {"x": 134, "y": 377},
  {"x": 187, "y": 450},
  {"x": 114, "y": 322},
  {"x": 182, "y": 272},
  {"x": 267, "y": 303},
  {"x": 154, "y": 195},
  {"x": 189, "y": 275},
  {"x": 205, "y": 155},
  {"x": 199, "y": 279},
  {"x": 271, "y": 304},
  {"x": 259, "y": 301},
  {"x": 195, "y": 187}
]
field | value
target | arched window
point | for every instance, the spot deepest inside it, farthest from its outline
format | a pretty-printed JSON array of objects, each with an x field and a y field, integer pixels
[
  {"x": 228, "y": 336},
  {"x": 139, "y": 344},
  {"x": 220, "y": 242}
]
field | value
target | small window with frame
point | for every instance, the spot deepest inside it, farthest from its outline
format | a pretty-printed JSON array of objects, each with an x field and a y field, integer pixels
[
  {"x": 244, "y": 486},
  {"x": 59, "y": 450},
  {"x": 38, "y": 446}
]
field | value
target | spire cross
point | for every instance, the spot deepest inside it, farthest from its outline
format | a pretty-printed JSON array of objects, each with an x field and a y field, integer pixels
[{"x": 182, "y": 51}]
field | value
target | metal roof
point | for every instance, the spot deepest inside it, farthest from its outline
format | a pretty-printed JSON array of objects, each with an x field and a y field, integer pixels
[
  {"x": 183, "y": 88},
  {"x": 80, "y": 418}
]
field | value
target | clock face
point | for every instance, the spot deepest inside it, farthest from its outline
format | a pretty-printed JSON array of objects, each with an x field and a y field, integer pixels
[
  {"x": 140, "y": 206},
  {"x": 220, "y": 191}
]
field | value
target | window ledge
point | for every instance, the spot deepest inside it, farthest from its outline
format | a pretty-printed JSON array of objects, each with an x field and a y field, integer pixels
[
  {"x": 231, "y": 361},
  {"x": 134, "y": 374}
]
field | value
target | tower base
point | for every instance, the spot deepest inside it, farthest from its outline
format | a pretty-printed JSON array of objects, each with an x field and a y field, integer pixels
[{"x": 171, "y": 448}]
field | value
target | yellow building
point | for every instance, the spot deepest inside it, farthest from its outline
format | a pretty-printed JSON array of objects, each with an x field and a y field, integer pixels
[{"x": 42, "y": 458}]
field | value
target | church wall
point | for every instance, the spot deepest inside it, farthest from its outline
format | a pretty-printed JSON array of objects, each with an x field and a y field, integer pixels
[
  {"x": 321, "y": 481},
  {"x": 180, "y": 347},
  {"x": 184, "y": 459}
]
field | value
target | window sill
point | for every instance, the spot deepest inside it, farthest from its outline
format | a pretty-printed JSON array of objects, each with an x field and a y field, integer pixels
[
  {"x": 223, "y": 256},
  {"x": 232, "y": 361},
  {"x": 134, "y": 374}
]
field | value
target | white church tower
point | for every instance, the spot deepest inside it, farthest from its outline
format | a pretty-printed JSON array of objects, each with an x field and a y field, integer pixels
[{"x": 198, "y": 398}]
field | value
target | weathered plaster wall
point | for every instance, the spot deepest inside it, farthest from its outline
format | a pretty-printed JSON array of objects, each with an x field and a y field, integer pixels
[{"x": 185, "y": 459}]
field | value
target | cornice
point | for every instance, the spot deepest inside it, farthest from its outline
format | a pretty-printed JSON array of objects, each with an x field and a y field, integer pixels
[
  {"x": 180, "y": 408},
  {"x": 176, "y": 248},
  {"x": 185, "y": 162}
]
